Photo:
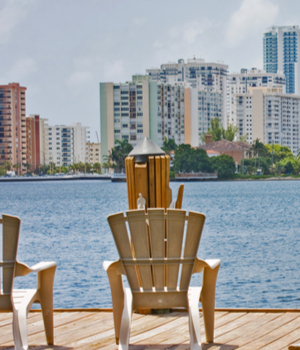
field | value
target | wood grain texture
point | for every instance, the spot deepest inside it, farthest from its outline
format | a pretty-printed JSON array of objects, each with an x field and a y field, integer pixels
[{"x": 87, "y": 330}]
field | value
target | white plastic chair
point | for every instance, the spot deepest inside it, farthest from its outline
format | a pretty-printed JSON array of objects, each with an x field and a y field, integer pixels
[
  {"x": 20, "y": 301},
  {"x": 158, "y": 256}
]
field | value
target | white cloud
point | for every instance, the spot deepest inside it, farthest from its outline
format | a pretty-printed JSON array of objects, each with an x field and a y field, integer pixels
[
  {"x": 11, "y": 15},
  {"x": 22, "y": 68},
  {"x": 190, "y": 31},
  {"x": 113, "y": 70},
  {"x": 79, "y": 78},
  {"x": 138, "y": 21},
  {"x": 251, "y": 18}
]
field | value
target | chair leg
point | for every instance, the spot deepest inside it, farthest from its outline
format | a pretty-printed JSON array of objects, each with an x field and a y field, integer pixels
[
  {"x": 126, "y": 320},
  {"x": 20, "y": 329},
  {"x": 194, "y": 321},
  {"x": 45, "y": 284},
  {"x": 207, "y": 299}
]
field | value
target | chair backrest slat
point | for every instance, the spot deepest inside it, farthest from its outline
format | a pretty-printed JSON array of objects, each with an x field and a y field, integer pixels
[
  {"x": 192, "y": 240},
  {"x": 153, "y": 252},
  {"x": 119, "y": 230},
  {"x": 140, "y": 240},
  {"x": 175, "y": 231},
  {"x": 10, "y": 239},
  {"x": 157, "y": 226}
]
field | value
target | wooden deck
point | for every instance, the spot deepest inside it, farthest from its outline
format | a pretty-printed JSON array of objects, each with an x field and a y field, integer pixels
[{"x": 93, "y": 329}]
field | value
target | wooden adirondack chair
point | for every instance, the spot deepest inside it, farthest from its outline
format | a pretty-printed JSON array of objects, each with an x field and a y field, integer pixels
[
  {"x": 20, "y": 301},
  {"x": 159, "y": 256}
]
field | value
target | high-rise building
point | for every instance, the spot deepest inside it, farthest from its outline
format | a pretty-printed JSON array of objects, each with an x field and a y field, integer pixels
[
  {"x": 44, "y": 142},
  {"x": 239, "y": 83},
  {"x": 196, "y": 74},
  {"x": 67, "y": 144},
  {"x": 269, "y": 115},
  {"x": 33, "y": 153},
  {"x": 13, "y": 126},
  {"x": 93, "y": 153},
  {"x": 133, "y": 110},
  {"x": 281, "y": 54}
]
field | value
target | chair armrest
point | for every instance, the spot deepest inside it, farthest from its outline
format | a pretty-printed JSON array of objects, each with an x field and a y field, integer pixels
[
  {"x": 209, "y": 263},
  {"x": 114, "y": 265},
  {"x": 23, "y": 270}
]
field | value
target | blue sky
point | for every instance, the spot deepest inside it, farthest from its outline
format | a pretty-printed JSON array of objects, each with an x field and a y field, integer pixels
[{"x": 61, "y": 49}]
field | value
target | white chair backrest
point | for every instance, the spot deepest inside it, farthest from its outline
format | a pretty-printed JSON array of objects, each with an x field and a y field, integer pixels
[
  {"x": 157, "y": 249},
  {"x": 9, "y": 240}
]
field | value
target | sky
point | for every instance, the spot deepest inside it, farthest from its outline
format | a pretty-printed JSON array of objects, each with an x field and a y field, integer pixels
[{"x": 62, "y": 49}]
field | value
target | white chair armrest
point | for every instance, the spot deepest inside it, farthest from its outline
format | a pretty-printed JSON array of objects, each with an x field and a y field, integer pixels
[
  {"x": 209, "y": 263},
  {"x": 23, "y": 269},
  {"x": 42, "y": 266}
]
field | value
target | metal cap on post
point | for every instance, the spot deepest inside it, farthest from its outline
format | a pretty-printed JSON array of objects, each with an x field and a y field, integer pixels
[{"x": 144, "y": 149}]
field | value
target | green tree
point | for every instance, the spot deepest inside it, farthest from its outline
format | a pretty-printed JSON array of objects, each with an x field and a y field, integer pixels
[
  {"x": 279, "y": 152},
  {"x": 97, "y": 167},
  {"x": 188, "y": 159},
  {"x": 224, "y": 165},
  {"x": 230, "y": 132},
  {"x": 259, "y": 149},
  {"x": 183, "y": 160},
  {"x": 118, "y": 154},
  {"x": 219, "y": 133},
  {"x": 169, "y": 145}
]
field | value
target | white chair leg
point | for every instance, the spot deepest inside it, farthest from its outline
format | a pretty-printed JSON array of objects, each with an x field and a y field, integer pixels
[
  {"x": 126, "y": 320},
  {"x": 194, "y": 321},
  {"x": 20, "y": 329}
]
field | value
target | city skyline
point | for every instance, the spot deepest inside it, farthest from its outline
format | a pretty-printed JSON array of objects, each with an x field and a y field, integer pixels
[{"x": 62, "y": 58}]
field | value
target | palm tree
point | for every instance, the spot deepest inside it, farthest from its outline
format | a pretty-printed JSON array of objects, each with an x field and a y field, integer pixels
[
  {"x": 97, "y": 167},
  {"x": 258, "y": 148},
  {"x": 116, "y": 156}
]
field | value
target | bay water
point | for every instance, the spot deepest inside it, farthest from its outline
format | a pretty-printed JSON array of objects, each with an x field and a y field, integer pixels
[{"x": 252, "y": 226}]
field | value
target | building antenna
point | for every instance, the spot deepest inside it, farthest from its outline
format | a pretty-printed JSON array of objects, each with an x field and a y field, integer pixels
[{"x": 97, "y": 137}]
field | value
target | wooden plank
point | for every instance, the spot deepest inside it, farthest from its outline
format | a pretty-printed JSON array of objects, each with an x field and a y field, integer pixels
[
  {"x": 246, "y": 339},
  {"x": 168, "y": 190},
  {"x": 129, "y": 182},
  {"x": 132, "y": 178},
  {"x": 163, "y": 182},
  {"x": 119, "y": 230},
  {"x": 35, "y": 327},
  {"x": 175, "y": 231},
  {"x": 275, "y": 334},
  {"x": 157, "y": 242},
  {"x": 178, "y": 204},
  {"x": 141, "y": 181},
  {"x": 192, "y": 240},
  {"x": 158, "y": 182},
  {"x": 152, "y": 200},
  {"x": 140, "y": 241}
]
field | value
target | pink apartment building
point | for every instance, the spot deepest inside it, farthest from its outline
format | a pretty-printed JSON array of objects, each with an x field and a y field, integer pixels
[{"x": 13, "y": 126}]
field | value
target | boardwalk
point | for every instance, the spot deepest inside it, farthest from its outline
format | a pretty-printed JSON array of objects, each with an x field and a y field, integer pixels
[{"x": 91, "y": 330}]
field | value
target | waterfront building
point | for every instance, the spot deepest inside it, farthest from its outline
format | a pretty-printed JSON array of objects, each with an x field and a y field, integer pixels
[
  {"x": 33, "y": 142},
  {"x": 44, "y": 142},
  {"x": 67, "y": 144},
  {"x": 200, "y": 107},
  {"x": 132, "y": 110},
  {"x": 93, "y": 153},
  {"x": 269, "y": 115},
  {"x": 239, "y": 83},
  {"x": 237, "y": 150},
  {"x": 196, "y": 74},
  {"x": 13, "y": 126},
  {"x": 281, "y": 54}
]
